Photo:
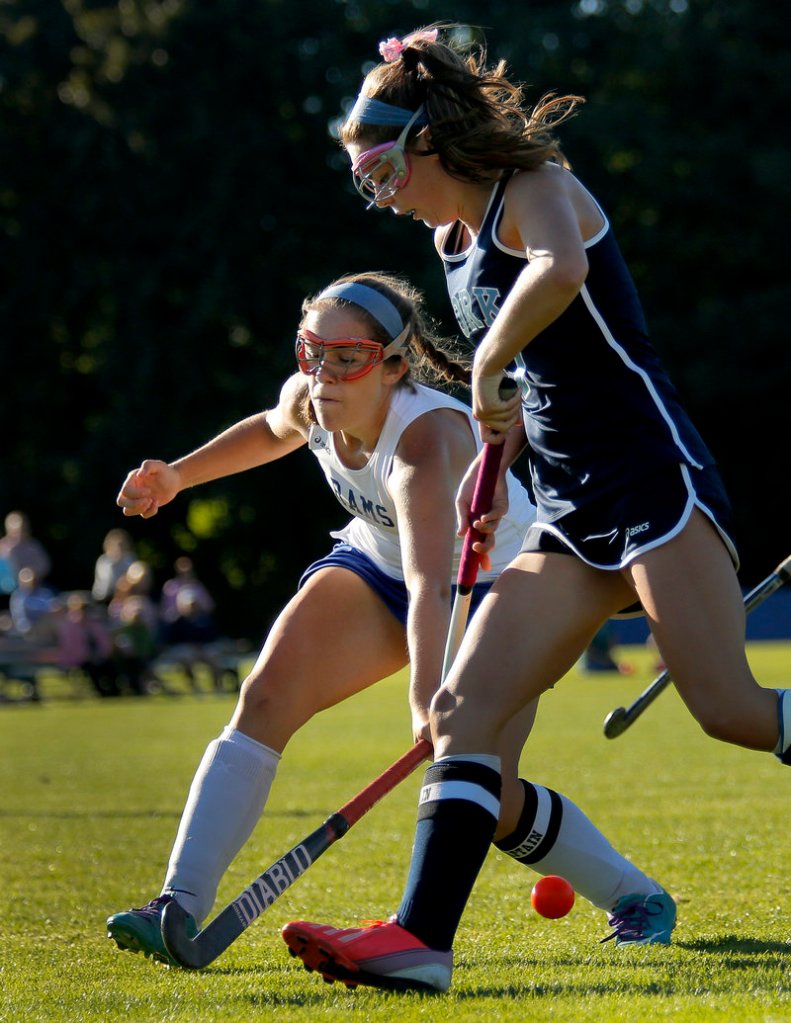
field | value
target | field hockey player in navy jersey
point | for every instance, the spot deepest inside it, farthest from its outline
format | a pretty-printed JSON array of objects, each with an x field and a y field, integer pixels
[
  {"x": 394, "y": 451},
  {"x": 631, "y": 511}
]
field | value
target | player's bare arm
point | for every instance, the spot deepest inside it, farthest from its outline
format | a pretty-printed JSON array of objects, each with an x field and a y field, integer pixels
[
  {"x": 431, "y": 458},
  {"x": 540, "y": 217},
  {"x": 254, "y": 441}
]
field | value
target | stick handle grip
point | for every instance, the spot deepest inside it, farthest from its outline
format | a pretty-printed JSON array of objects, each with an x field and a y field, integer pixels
[
  {"x": 481, "y": 502},
  {"x": 482, "y": 498},
  {"x": 783, "y": 570},
  {"x": 379, "y": 787}
]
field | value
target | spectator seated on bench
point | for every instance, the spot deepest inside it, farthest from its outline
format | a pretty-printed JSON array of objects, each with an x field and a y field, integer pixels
[
  {"x": 189, "y": 636},
  {"x": 24, "y": 655},
  {"x": 85, "y": 643},
  {"x": 31, "y": 605},
  {"x": 135, "y": 646}
]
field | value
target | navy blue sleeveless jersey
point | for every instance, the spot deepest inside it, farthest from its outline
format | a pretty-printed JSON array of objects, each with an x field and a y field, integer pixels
[{"x": 599, "y": 409}]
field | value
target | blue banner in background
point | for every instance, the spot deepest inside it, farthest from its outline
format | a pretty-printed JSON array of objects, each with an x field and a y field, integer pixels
[{"x": 772, "y": 620}]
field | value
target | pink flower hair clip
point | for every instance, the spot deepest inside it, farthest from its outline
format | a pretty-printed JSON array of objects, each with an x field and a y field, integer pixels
[{"x": 392, "y": 48}]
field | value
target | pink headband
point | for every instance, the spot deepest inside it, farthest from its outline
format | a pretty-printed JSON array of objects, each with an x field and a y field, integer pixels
[{"x": 391, "y": 49}]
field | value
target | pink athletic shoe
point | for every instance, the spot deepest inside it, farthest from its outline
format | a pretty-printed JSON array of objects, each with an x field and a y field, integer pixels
[{"x": 381, "y": 954}]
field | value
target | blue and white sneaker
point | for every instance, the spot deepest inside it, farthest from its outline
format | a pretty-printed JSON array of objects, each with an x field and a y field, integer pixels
[
  {"x": 139, "y": 930},
  {"x": 642, "y": 920}
]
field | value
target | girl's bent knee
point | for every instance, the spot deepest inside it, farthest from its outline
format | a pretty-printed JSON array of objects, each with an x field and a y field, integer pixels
[
  {"x": 719, "y": 723},
  {"x": 461, "y": 724},
  {"x": 443, "y": 705},
  {"x": 264, "y": 703}
]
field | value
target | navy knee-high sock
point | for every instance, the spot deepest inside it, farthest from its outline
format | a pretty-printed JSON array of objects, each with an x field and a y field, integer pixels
[{"x": 457, "y": 815}]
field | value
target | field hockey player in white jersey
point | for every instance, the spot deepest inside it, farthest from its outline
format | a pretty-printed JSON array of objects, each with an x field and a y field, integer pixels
[
  {"x": 631, "y": 511},
  {"x": 394, "y": 452}
]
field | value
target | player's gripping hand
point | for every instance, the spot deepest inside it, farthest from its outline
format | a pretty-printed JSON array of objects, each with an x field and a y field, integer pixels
[
  {"x": 489, "y": 521},
  {"x": 146, "y": 489},
  {"x": 495, "y": 407},
  {"x": 421, "y": 726}
]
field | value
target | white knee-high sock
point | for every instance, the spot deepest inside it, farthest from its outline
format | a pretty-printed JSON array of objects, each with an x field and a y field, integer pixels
[
  {"x": 226, "y": 799},
  {"x": 555, "y": 837}
]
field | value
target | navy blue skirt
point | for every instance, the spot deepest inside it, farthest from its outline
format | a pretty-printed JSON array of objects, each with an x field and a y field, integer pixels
[{"x": 611, "y": 532}]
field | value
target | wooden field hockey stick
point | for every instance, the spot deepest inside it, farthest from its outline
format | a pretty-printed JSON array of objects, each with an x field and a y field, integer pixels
[
  {"x": 225, "y": 928},
  {"x": 618, "y": 720}
]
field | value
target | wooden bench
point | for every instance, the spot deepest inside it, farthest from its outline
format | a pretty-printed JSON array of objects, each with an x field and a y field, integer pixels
[
  {"x": 31, "y": 673},
  {"x": 21, "y": 665},
  {"x": 226, "y": 661}
]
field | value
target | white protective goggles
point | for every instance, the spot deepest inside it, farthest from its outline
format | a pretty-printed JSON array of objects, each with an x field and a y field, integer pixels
[{"x": 381, "y": 171}]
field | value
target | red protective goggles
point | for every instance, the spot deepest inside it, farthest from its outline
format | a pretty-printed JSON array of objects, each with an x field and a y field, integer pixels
[{"x": 344, "y": 358}]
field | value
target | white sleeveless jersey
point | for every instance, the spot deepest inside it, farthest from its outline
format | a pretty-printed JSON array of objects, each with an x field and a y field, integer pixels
[{"x": 366, "y": 492}]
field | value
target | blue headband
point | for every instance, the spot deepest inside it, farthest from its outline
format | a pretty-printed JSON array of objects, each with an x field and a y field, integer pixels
[
  {"x": 372, "y": 301},
  {"x": 367, "y": 110}
]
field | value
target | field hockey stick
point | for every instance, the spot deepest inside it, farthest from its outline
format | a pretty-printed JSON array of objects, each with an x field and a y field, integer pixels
[
  {"x": 213, "y": 940},
  {"x": 470, "y": 560},
  {"x": 618, "y": 720}
]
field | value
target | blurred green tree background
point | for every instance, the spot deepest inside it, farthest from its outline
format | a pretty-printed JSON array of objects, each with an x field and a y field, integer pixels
[{"x": 170, "y": 190}]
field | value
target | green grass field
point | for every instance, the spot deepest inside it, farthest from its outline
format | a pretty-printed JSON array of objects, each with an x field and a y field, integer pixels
[{"x": 91, "y": 792}]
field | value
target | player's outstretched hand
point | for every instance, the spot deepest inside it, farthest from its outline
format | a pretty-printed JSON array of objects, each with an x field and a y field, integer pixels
[{"x": 146, "y": 489}]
